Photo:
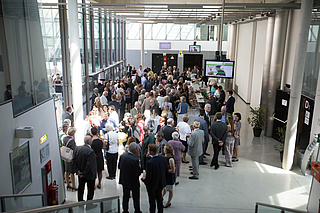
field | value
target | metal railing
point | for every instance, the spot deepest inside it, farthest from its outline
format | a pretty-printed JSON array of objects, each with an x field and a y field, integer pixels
[
  {"x": 263, "y": 207},
  {"x": 19, "y": 202},
  {"x": 110, "y": 204}
]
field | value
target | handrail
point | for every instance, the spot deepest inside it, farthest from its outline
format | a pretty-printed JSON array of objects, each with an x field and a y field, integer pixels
[
  {"x": 106, "y": 68},
  {"x": 68, "y": 206},
  {"x": 20, "y": 195},
  {"x": 283, "y": 209}
]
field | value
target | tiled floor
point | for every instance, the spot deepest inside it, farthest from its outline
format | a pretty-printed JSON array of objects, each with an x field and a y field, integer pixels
[{"x": 257, "y": 177}]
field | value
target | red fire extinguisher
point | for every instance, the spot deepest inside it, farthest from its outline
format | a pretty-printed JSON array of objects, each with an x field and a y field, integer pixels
[{"x": 54, "y": 194}]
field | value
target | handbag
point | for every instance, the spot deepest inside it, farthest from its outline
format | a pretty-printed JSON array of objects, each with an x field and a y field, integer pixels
[
  {"x": 66, "y": 152},
  {"x": 179, "y": 111},
  {"x": 236, "y": 134},
  {"x": 107, "y": 146}
]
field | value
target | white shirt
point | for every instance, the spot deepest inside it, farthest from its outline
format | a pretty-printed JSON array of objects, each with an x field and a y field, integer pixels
[
  {"x": 104, "y": 100},
  {"x": 143, "y": 81},
  {"x": 115, "y": 117},
  {"x": 184, "y": 129},
  {"x": 140, "y": 72},
  {"x": 118, "y": 90},
  {"x": 160, "y": 100},
  {"x": 112, "y": 138},
  {"x": 217, "y": 94}
]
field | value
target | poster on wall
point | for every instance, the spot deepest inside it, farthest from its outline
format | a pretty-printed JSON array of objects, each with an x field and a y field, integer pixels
[{"x": 20, "y": 168}]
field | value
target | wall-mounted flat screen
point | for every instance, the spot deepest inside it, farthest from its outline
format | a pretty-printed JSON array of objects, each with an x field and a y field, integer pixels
[
  {"x": 219, "y": 69},
  {"x": 194, "y": 48},
  {"x": 165, "y": 45}
]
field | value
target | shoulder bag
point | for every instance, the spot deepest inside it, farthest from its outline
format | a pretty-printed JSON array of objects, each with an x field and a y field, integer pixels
[{"x": 66, "y": 152}]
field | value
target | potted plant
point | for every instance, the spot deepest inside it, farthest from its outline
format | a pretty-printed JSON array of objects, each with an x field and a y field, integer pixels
[
  {"x": 256, "y": 120},
  {"x": 281, "y": 132}
]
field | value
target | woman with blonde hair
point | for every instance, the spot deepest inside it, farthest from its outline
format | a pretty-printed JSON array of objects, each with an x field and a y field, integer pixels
[
  {"x": 170, "y": 176},
  {"x": 98, "y": 104}
]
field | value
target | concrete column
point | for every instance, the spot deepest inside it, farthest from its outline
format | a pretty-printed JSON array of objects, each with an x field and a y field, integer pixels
[
  {"x": 75, "y": 67},
  {"x": 125, "y": 43},
  {"x": 67, "y": 96},
  {"x": 297, "y": 80},
  {"x": 232, "y": 33},
  {"x": 266, "y": 65},
  {"x": 287, "y": 46},
  {"x": 277, "y": 55},
  {"x": 142, "y": 45},
  {"x": 315, "y": 129}
]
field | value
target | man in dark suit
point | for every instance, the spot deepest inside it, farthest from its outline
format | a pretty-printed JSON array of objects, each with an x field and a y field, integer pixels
[
  {"x": 155, "y": 179},
  {"x": 130, "y": 171},
  {"x": 68, "y": 115},
  {"x": 214, "y": 106},
  {"x": 230, "y": 102},
  {"x": 94, "y": 95},
  {"x": 168, "y": 130},
  {"x": 154, "y": 106},
  {"x": 84, "y": 162},
  {"x": 219, "y": 135},
  {"x": 129, "y": 68},
  {"x": 204, "y": 127},
  {"x": 221, "y": 98}
]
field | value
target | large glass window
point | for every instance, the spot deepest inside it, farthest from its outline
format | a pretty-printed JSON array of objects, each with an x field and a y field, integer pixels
[
  {"x": 89, "y": 43},
  {"x": 311, "y": 70},
  {"x": 96, "y": 41},
  {"x": 103, "y": 43},
  {"x": 161, "y": 31},
  {"x": 22, "y": 54},
  {"x": 133, "y": 31},
  {"x": 148, "y": 31}
]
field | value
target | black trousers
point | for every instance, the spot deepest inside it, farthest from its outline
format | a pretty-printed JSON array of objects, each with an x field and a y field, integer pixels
[
  {"x": 90, "y": 186},
  {"x": 155, "y": 196},
  {"x": 136, "y": 199},
  {"x": 112, "y": 163},
  {"x": 216, "y": 150}
]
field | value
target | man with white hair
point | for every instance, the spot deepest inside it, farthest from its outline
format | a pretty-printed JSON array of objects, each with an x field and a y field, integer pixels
[
  {"x": 146, "y": 102},
  {"x": 195, "y": 149},
  {"x": 135, "y": 94},
  {"x": 168, "y": 129},
  {"x": 154, "y": 107},
  {"x": 135, "y": 110},
  {"x": 103, "y": 98},
  {"x": 129, "y": 177},
  {"x": 84, "y": 162}
]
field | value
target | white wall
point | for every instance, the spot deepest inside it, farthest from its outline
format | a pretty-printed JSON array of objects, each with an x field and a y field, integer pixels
[
  {"x": 43, "y": 119},
  {"x": 260, "y": 46},
  {"x": 243, "y": 60}
]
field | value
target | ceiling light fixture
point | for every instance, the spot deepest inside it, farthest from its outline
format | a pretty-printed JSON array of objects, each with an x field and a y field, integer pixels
[{"x": 128, "y": 14}]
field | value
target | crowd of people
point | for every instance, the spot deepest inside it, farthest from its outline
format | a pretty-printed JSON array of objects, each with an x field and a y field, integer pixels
[{"x": 147, "y": 114}]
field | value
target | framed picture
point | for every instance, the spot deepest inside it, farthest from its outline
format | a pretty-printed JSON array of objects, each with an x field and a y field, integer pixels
[{"x": 20, "y": 168}]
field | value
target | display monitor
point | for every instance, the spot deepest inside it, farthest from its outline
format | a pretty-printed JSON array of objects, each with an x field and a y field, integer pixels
[
  {"x": 194, "y": 48},
  {"x": 219, "y": 69}
]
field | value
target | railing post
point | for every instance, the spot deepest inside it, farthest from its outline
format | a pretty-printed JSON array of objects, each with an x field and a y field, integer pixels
[
  {"x": 101, "y": 207},
  {"x": 256, "y": 209},
  {"x": 3, "y": 207}
]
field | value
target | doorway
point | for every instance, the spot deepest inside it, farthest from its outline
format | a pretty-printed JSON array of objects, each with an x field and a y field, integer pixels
[
  {"x": 157, "y": 61},
  {"x": 190, "y": 60}
]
